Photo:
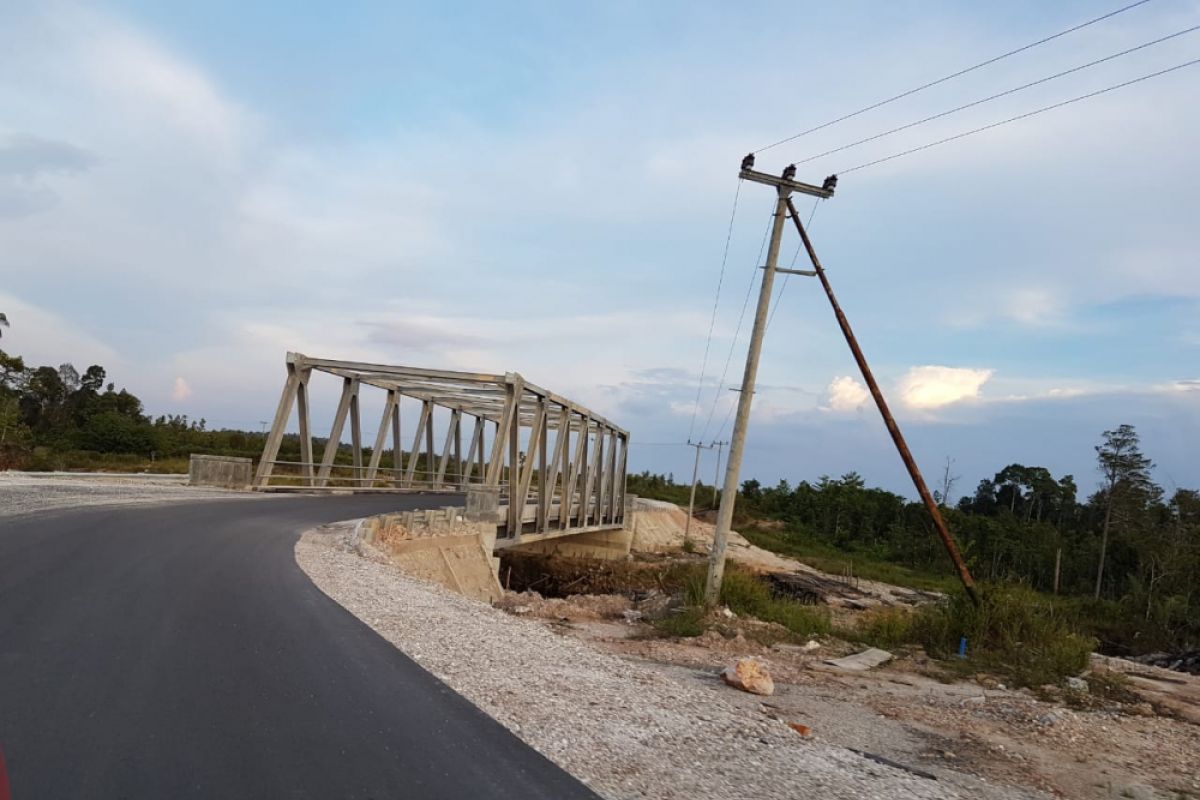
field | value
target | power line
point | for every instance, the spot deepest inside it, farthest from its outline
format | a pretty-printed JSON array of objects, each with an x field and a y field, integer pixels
[
  {"x": 954, "y": 75},
  {"x": 716, "y": 302},
  {"x": 737, "y": 332},
  {"x": 1005, "y": 93},
  {"x": 1019, "y": 117}
]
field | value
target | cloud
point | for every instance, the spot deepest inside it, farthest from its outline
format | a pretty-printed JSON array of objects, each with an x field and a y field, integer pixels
[
  {"x": 180, "y": 391},
  {"x": 146, "y": 78},
  {"x": 930, "y": 387},
  {"x": 44, "y": 337},
  {"x": 26, "y": 156},
  {"x": 27, "y": 163},
  {"x": 845, "y": 394}
]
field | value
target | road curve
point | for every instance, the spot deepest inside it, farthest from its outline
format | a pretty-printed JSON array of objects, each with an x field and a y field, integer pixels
[{"x": 179, "y": 651}]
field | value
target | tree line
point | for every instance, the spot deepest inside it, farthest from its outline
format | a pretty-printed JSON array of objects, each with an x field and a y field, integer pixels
[
  {"x": 1125, "y": 558},
  {"x": 56, "y": 417}
]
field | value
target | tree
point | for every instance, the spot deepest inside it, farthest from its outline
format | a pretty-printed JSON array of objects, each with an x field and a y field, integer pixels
[
  {"x": 3, "y": 323},
  {"x": 1126, "y": 478},
  {"x": 948, "y": 481}
]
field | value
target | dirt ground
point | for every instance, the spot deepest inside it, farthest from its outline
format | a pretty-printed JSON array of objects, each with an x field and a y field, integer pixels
[{"x": 903, "y": 712}]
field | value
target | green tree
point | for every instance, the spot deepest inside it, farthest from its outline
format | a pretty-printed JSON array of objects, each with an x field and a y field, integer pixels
[{"x": 1126, "y": 483}]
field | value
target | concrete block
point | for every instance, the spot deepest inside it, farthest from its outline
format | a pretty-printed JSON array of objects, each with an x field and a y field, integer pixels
[
  {"x": 607, "y": 545},
  {"x": 227, "y": 472},
  {"x": 461, "y": 563},
  {"x": 483, "y": 504}
]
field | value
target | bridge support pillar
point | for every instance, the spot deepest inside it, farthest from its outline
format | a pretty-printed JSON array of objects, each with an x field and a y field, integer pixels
[{"x": 483, "y": 504}]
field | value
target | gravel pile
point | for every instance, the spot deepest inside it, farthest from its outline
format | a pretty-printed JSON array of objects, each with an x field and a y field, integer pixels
[
  {"x": 29, "y": 492},
  {"x": 623, "y": 728}
]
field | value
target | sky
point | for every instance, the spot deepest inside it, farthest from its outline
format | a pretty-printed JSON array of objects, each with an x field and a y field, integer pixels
[{"x": 188, "y": 191}]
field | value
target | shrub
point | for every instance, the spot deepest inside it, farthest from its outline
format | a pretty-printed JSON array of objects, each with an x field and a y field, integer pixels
[
  {"x": 1013, "y": 631},
  {"x": 747, "y": 595},
  {"x": 686, "y": 621},
  {"x": 883, "y": 627}
]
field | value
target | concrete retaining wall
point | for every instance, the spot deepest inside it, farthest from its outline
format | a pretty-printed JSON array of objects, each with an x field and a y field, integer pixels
[
  {"x": 227, "y": 472},
  {"x": 439, "y": 545}
]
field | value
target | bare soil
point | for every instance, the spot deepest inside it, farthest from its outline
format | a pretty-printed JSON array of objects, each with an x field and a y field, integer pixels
[{"x": 911, "y": 712}]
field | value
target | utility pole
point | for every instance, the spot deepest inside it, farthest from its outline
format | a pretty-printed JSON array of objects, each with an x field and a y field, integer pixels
[
  {"x": 687, "y": 526},
  {"x": 784, "y": 185},
  {"x": 889, "y": 421},
  {"x": 717, "y": 475}
]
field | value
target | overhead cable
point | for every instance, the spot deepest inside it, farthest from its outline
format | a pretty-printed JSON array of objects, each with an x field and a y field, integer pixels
[
  {"x": 1019, "y": 117},
  {"x": 954, "y": 75},
  {"x": 1005, "y": 93}
]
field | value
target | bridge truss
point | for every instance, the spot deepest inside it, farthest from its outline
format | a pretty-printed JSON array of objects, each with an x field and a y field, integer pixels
[{"x": 557, "y": 466}]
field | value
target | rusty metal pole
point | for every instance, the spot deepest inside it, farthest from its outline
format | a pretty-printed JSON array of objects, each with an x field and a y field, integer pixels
[{"x": 909, "y": 462}]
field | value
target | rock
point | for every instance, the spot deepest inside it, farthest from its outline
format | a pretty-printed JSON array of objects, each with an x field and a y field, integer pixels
[
  {"x": 655, "y": 605},
  {"x": 803, "y": 730},
  {"x": 810, "y": 645},
  {"x": 749, "y": 675},
  {"x": 861, "y": 662},
  {"x": 520, "y": 609},
  {"x": 631, "y": 615},
  {"x": 1051, "y": 717},
  {"x": 1077, "y": 685},
  {"x": 727, "y": 613}
]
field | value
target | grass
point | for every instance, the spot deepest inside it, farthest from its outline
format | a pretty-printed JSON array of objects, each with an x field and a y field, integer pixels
[
  {"x": 1014, "y": 631},
  {"x": 44, "y": 459},
  {"x": 828, "y": 558},
  {"x": 685, "y": 622},
  {"x": 747, "y": 596},
  {"x": 887, "y": 628}
]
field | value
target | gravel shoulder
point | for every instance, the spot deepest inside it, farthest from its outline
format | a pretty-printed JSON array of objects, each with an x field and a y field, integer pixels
[
  {"x": 32, "y": 492},
  {"x": 628, "y": 728}
]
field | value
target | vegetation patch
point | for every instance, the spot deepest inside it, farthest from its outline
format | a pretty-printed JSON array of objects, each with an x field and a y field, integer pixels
[{"x": 1013, "y": 631}]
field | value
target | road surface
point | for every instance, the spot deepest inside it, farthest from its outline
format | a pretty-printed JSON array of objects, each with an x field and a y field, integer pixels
[{"x": 178, "y": 651}]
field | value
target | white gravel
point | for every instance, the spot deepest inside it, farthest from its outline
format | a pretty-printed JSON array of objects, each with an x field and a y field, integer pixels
[
  {"x": 29, "y": 492},
  {"x": 622, "y": 727}
]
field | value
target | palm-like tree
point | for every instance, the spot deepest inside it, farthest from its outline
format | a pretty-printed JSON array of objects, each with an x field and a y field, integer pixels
[{"x": 3, "y": 323}]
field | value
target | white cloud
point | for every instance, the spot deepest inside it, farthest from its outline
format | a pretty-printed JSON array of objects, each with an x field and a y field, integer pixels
[
  {"x": 930, "y": 387},
  {"x": 180, "y": 391},
  {"x": 43, "y": 337},
  {"x": 684, "y": 408},
  {"x": 148, "y": 79},
  {"x": 845, "y": 394}
]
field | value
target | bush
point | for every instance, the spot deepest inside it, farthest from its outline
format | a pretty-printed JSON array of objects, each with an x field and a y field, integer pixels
[
  {"x": 745, "y": 594},
  {"x": 686, "y": 621},
  {"x": 883, "y": 627},
  {"x": 1013, "y": 631}
]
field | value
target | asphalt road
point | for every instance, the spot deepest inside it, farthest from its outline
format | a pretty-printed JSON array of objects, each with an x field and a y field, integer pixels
[{"x": 179, "y": 651}]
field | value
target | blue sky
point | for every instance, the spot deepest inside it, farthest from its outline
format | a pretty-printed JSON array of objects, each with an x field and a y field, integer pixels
[{"x": 189, "y": 190}]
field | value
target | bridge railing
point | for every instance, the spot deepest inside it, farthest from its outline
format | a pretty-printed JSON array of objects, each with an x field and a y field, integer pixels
[{"x": 556, "y": 465}]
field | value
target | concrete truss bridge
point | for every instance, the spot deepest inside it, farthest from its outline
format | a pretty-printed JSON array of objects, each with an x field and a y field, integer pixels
[{"x": 542, "y": 465}]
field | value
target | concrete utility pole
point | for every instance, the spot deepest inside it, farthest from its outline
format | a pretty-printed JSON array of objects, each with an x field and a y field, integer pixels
[
  {"x": 687, "y": 526},
  {"x": 717, "y": 475},
  {"x": 784, "y": 185}
]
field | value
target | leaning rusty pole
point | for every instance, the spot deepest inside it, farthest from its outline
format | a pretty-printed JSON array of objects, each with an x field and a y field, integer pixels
[{"x": 897, "y": 437}]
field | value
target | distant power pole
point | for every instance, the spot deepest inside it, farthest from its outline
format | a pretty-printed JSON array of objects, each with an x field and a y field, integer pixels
[
  {"x": 687, "y": 526},
  {"x": 717, "y": 475},
  {"x": 784, "y": 185}
]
